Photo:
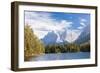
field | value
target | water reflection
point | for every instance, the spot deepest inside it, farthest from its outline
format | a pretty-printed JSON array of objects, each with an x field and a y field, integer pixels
[{"x": 61, "y": 56}]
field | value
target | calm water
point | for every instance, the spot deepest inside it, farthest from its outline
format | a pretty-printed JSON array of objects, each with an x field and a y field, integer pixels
[{"x": 61, "y": 56}]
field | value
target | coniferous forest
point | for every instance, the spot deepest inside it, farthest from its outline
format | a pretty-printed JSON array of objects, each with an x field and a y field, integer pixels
[{"x": 32, "y": 45}]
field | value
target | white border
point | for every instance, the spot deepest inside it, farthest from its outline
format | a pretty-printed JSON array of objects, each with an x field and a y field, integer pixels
[{"x": 23, "y": 64}]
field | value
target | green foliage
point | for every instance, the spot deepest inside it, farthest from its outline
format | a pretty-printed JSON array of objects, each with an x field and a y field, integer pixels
[
  {"x": 62, "y": 48},
  {"x": 85, "y": 47},
  {"x": 33, "y": 46},
  {"x": 73, "y": 47}
]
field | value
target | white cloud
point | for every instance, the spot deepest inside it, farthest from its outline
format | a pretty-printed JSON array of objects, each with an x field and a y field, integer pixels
[
  {"x": 40, "y": 34},
  {"x": 80, "y": 27},
  {"x": 83, "y": 20},
  {"x": 83, "y": 24},
  {"x": 42, "y": 23},
  {"x": 72, "y": 35}
]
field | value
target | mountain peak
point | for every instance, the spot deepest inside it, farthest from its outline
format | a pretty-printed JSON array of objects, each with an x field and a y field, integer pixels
[
  {"x": 50, "y": 38},
  {"x": 84, "y": 36}
]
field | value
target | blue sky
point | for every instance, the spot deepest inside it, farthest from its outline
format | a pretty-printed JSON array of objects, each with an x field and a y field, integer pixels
[
  {"x": 74, "y": 17},
  {"x": 44, "y": 22}
]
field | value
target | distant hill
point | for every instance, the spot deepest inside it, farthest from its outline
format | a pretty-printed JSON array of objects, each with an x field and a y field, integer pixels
[{"x": 84, "y": 36}]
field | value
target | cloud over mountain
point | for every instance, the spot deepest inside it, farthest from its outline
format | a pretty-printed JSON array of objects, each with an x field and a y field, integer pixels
[{"x": 43, "y": 23}]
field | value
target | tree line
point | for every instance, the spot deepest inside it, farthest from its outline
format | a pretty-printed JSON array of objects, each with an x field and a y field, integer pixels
[{"x": 65, "y": 48}]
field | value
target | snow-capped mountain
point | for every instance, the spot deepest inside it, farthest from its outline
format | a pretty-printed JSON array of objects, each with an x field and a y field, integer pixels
[
  {"x": 71, "y": 36},
  {"x": 54, "y": 37},
  {"x": 50, "y": 38},
  {"x": 84, "y": 36}
]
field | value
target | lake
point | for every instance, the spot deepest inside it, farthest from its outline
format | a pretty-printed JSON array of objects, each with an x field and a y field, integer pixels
[{"x": 61, "y": 56}]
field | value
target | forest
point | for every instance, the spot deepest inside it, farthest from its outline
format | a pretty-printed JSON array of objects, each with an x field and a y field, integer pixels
[
  {"x": 67, "y": 48},
  {"x": 34, "y": 47}
]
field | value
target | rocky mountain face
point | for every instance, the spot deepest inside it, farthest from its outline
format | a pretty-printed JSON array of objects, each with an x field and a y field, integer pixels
[
  {"x": 53, "y": 37},
  {"x": 84, "y": 36}
]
